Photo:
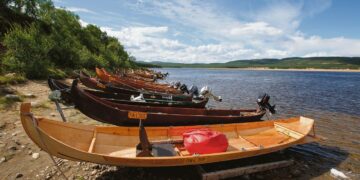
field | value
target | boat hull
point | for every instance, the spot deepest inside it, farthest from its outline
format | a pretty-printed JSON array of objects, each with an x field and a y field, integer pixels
[{"x": 117, "y": 114}]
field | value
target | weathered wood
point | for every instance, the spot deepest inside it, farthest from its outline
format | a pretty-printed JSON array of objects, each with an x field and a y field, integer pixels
[{"x": 234, "y": 172}]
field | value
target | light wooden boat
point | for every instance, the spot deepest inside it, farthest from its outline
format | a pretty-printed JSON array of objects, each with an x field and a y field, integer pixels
[
  {"x": 108, "y": 87},
  {"x": 117, "y": 145},
  {"x": 134, "y": 84}
]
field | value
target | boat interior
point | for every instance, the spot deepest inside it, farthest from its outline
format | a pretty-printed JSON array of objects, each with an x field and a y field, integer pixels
[{"x": 167, "y": 141}]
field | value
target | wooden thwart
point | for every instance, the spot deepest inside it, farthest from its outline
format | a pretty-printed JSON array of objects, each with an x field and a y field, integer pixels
[{"x": 234, "y": 172}]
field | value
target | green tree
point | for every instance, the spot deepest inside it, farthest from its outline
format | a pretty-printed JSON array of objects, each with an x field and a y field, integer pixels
[{"x": 27, "y": 51}]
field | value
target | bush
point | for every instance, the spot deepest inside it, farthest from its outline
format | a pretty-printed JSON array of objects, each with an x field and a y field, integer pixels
[
  {"x": 27, "y": 51},
  {"x": 44, "y": 40},
  {"x": 12, "y": 79}
]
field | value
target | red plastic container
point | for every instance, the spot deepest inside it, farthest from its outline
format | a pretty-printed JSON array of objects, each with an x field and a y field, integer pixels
[{"x": 205, "y": 141}]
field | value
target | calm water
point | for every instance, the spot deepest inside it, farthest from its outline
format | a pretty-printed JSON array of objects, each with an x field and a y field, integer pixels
[
  {"x": 294, "y": 92},
  {"x": 331, "y": 98}
]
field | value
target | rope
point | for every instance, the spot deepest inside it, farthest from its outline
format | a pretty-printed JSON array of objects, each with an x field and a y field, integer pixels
[{"x": 35, "y": 122}]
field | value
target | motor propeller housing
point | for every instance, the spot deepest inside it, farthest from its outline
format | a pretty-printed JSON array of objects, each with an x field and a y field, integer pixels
[
  {"x": 194, "y": 90},
  {"x": 183, "y": 88},
  {"x": 264, "y": 103}
]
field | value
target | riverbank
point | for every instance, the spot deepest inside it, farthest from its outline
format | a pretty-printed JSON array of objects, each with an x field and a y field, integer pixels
[{"x": 21, "y": 158}]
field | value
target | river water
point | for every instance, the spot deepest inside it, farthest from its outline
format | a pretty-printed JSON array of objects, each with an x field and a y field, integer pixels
[{"x": 331, "y": 98}]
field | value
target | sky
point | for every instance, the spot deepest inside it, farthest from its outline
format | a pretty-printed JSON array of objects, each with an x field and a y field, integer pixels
[{"x": 208, "y": 31}]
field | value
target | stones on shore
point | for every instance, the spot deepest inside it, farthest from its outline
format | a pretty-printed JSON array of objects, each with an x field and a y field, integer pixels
[
  {"x": 18, "y": 175},
  {"x": 12, "y": 97},
  {"x": 35, "y": 155},
  {"x": 14, "y": 133},
  {"x": 2, "y": 125},
  {"x": 2, "y": 159},
  {"x": 29, "y": 95},
  {"x": 34, "y": 104},
  {"x": 12, "y": 146},
  {"x": 96, "y": 166},
  {"x": 93, "y": 172},
  {"x": 7, "y": 90},
  {"x": 337, "y": 174}
]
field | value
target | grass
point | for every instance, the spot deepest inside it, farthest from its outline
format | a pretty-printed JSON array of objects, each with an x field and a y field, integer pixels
[
  {"x": 6, "y": 103},
  {"x": 12, "y": 79},
  {"x": 57, "y": 73}
]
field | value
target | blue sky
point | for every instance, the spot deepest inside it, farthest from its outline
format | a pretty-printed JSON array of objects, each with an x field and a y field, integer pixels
[{"x": 206, "y": 31}]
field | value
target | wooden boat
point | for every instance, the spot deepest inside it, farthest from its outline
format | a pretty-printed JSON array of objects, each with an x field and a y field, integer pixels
[
  {"x": 108, "y": 87},
  {"x": 145, "y": 75},
  {"x": 137, "y": 77},
  {"x": 119, "y": 146},
  {"x": 126, "y": 98},
  {"x": 133, "y": 84},
  {"x": 114, "y": 113},
  {"x": 133, "y": 80}
]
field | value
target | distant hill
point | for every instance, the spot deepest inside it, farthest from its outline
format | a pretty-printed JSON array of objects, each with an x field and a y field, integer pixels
[{"x": 286, "y": 63}]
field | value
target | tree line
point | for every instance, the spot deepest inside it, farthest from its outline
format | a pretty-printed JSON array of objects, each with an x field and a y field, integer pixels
[{"x": 38, "y": 40}]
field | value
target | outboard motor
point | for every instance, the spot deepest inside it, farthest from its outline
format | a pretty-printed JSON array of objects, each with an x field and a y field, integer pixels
[
  {"x": 206, "y": 93},
  {"x": 183, "y": 88},
  {"x": 263, "y": 102},
  {"x": 204, "y": 90},
  {"x": 177, "y": 84},
  {"x": 194, "y": 91}
]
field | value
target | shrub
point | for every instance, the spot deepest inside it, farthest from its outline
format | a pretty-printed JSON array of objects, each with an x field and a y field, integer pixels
[
  {"x": 12, "y": 79},
  {"x": 27, "y": 50}
]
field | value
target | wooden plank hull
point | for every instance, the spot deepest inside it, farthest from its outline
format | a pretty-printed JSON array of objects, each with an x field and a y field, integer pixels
[
  {"x": 132, "y": 84},
  {"x": 116, "y": 145},
  {"x": 94, "y": 84},
  {"x": 114, "y": 113}
]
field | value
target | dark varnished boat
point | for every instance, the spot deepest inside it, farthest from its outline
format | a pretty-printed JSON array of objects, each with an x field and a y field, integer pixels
[
  {"x": 109, "y": 87},
  {"x": 117, "y": 114},
  {"x": 126, "y": 98}
]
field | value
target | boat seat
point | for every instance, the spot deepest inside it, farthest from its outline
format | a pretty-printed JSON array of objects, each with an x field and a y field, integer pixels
[{"x": 160, "y": 150}]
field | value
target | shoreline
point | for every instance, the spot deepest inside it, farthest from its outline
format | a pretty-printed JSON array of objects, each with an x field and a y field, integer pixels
[
  {"x": 291, "y": 69},
  {"x": 277, "y": 69}
]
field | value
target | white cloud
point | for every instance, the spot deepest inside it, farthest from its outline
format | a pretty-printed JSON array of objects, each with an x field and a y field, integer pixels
[
  {"x": 204, "y": 33},
  {"x": 77, "y": 10},
  {"x": 83, "y": 23},
  {"x": 256, "y": 28}
]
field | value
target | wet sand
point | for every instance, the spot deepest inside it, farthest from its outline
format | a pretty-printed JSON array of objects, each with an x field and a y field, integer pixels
[{"x": 312, "y": 161}]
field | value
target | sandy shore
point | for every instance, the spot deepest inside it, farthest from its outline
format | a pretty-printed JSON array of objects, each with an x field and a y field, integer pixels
[{"x": 309, "y": 69}]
